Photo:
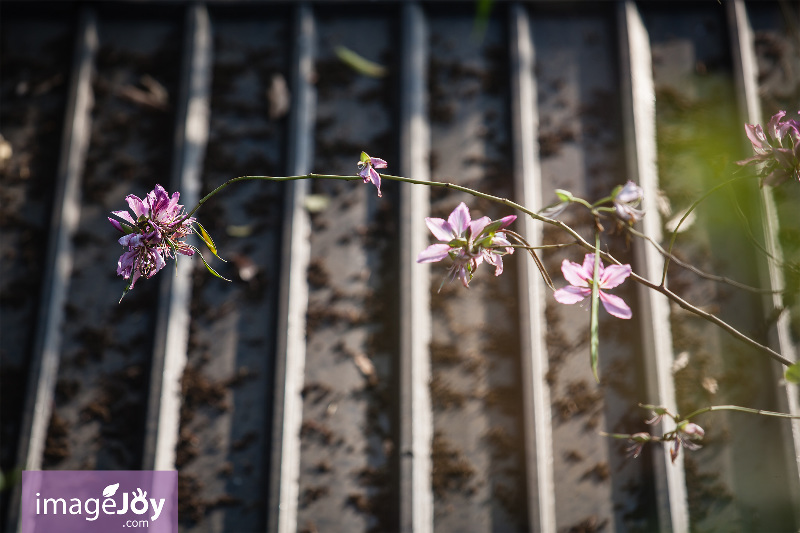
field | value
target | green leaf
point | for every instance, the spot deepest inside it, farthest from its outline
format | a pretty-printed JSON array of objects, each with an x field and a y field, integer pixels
[
  {"x": 364, "y": 157},
  {"x": 209, "y": 266},
  {"x": 594, "y": 325},
  {"x": 492, "y": 227},
  {"x": 127, "y": 289},
  {"x": 564, "y": 196},
  {"x": 208, "y": 241},
  {"x": 359, "y": 64},
  {"x": 792, "y": 374}
]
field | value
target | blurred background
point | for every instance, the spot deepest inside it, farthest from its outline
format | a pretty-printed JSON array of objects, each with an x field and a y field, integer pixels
[{"x": 331, "y": 386}]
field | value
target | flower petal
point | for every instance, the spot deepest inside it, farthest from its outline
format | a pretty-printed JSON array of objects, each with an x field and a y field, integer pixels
[
  {"x": 477, "y": 226},
  {"x": 433, "y": 253},
  {"x": 613, "y": 275},
  {"x": 124, "y": 215},
  {"x": 116, "y": 224},
  {"x": 440, "y": 228},
  {"x": 615, "y": 305},
  {"x": 570, "y": 295},
  {"x": 774, "y": 124},
  {"x": 459, "y": 219},
  {"x": 756, "y": 135},
  {"x": 376, "y": 179},
  {"x": 588, "y": 267},
  {"x": 575, "y": 274},
  {"x": 136, "y": 205},
  {"x": 506, "y": 221},
  {"x": 377, "y": 162}
]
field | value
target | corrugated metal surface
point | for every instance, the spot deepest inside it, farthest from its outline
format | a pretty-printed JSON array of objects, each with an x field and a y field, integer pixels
[{"x": 331, "y": 386}]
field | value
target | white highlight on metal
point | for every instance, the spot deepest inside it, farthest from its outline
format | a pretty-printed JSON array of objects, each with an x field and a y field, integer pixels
[
  {"x": 746, "y": 72},
  {"x": 293, "y": 306},
  {"x": 640, "y": 142},
  {"x": 59, "y": 258},
  {"x": 172, "y": 336},
  {"x": 416, "y": 416},
  {"x": 533, "y": 351}
]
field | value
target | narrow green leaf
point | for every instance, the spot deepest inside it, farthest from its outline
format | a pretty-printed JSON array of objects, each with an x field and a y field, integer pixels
[
  {"x": 209, "y": 266},
  {"x": 209, "y": 242},
  {"x": 594, "y": 325},
  {"x": 127, "y": 289},
  {"x": 359, "y": 63},
  {"x": 564, "y": 196},
  {"x": 792, "y": 374}
]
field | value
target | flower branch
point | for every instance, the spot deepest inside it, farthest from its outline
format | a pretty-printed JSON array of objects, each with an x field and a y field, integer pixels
[{"x": 578, "y": 239}]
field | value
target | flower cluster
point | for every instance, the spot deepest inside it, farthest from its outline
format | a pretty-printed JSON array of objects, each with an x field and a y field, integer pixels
[
  {"x": 626, "y": 201},
  {"x": 152, "y": 235},
  {"x": 777, "y": 149},
  {"x": 581, "y": 278},
  {"x": 684, "y": 435},
  {"x": 468, "y": 243}
]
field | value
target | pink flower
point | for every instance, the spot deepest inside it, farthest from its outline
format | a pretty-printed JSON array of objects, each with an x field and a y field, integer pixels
[
  {"x": 468, "y": 243},
  {"x": 143, "y": 258},
  {"x": 580, "y": 278},
  {"x": 778, "y": 149},
  {"x": 367, "y": 166},
  {"x": 637, "y": 442},
  {"x": 685, "y": 434},
  {"x": 626, "y": 201},
  {"x": 154, "y": 235}
]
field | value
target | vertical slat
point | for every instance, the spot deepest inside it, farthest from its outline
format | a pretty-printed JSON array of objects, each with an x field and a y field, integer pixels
[
  {"x": 534, "y": 364},
  {"x": 58, "y": 269},
  {"x": 640, "y": 142},
  {"x": 293, "y": 305},
  {"x": 416, "y": 417},
  {"x": 172, "y": 333},
  {"x": 746, "y": 74}
]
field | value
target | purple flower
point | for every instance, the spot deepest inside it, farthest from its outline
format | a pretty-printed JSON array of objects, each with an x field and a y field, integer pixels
[
  {"x": 626, "y": 201},
  {"x": 367, "y": 166},
  {"x": 468, "y": 243},
  {"x": 778, "y": 149},
  {"x": 143, "y": 258},
  {"x": 580, "y": 278},
  {"x": 684, "y": 435},
  {"x": 637, "y": 442},
  {"x": 152, "y": 235}
]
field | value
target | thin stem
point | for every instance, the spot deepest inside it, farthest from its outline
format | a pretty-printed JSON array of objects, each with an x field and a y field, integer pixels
[
  {"x": 737, "y": 408},
  {"x": 706, "y": 275},
  {"x": 685, "y": 215},
  {"x": 553, "y": 222},
  {"x": 543, "y": 246}
]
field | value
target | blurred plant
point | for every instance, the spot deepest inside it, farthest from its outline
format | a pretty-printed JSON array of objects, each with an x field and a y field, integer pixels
[
  {"x": 777, "y": 150},
  {"x": 158, "y": 230},
  {"x": 685, "y": 434}
]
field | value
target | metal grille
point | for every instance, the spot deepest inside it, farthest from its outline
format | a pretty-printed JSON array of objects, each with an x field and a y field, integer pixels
[{"x": 332, "y": 386}]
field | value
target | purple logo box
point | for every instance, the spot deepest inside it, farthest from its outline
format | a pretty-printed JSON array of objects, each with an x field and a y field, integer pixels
[{"x": 94, "y": 501}]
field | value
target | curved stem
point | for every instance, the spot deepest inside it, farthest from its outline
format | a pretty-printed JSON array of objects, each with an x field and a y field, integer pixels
[
  {"x": 692, "y": 268},
  {"x": 685, "y": 215},
  {"x": 737, "y": 408},
  {"x": 553, "y": 222}
]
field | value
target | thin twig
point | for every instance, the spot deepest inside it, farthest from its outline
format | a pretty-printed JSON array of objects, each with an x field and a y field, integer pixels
[
  {"x": 706, "y": 275},
  {"x": 553, "y": 222}
]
